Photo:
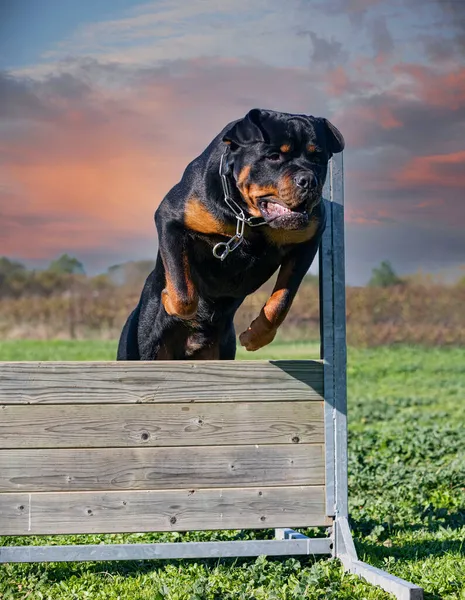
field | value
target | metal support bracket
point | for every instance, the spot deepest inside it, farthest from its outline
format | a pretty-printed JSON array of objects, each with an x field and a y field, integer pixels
[
  {"x": 401, "y": 589},
  {"x": 290, "y": 534},
  {"x": 342, "y": 545}
]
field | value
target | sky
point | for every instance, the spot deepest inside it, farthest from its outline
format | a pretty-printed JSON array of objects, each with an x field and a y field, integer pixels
[{"x": 103, "y": 103}]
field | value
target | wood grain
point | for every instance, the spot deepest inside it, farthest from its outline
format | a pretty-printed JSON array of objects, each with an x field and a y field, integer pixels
[
  {"x": 147, "y": 425},
  {"x": 160, "y": 381},
  {"x": 161, "y": 468},
  {"x": 165, "y": 510}
]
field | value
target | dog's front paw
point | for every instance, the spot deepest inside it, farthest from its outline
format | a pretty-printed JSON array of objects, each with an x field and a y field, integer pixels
[
  {"x": 259, "y": 334},
  {"x": 176, "y": 308}
]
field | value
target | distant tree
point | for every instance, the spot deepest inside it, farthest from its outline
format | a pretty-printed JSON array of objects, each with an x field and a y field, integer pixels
[
  {"x": 10, "y": 267},
  {"x": 66, "y": 265},
  {"x": 132, "y": 273},
  {"x": 100, "y": 282},
  {"x": 384, "y": 276},
  {"x": 48, "y": 282},
  {"x": 13, "y": 277}
]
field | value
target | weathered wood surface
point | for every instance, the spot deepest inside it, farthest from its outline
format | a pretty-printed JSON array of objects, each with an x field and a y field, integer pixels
[
  {"x": 163, "y": 381},
  {"x": 160, "y": 468},
  {"x": 166, "y": 510},
  {"x": 193, "y": 424}
]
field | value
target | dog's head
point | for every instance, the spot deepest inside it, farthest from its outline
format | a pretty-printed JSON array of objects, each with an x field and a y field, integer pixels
[{"x": 279, "y": 163}]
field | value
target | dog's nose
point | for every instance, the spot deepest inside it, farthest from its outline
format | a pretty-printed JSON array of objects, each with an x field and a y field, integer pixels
[{"x": 304, "y": 180}]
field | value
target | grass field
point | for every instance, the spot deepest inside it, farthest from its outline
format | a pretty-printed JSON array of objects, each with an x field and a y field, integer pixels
[{"x": 407, "y": 495}]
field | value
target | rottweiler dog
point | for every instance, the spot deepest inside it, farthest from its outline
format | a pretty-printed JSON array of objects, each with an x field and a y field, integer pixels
[{"x": 248, "y": 205}]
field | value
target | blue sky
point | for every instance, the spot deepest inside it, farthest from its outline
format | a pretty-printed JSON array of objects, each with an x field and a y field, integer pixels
[{"x": 31, "y": 27}]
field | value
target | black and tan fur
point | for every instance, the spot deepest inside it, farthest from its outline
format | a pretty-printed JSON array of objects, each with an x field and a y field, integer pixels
[{"x": 277, "y": 169}]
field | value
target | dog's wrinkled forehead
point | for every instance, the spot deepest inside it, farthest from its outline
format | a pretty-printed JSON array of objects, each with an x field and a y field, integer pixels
[
  {"x": 277, "y": 128},
  {"x": 282, "y": 128}
]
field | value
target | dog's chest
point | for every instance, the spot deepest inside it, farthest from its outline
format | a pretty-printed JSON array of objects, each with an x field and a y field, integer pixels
[{"x": 242, "y": 272}]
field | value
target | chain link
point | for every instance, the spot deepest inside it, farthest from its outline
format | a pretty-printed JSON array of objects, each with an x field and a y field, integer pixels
[{"x": 222, "y": 249}]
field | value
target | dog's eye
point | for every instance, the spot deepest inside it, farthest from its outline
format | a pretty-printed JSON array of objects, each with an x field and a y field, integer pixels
[{"x": 274, "y": 156}]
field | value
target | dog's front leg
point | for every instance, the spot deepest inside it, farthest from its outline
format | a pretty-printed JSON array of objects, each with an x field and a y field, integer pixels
[
  {"x": 262, "y": 330},
  {"x": 179, "y": 297}
]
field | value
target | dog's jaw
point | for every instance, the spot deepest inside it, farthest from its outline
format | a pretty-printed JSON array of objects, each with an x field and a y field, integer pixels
[{"x": 279, "y": 216}]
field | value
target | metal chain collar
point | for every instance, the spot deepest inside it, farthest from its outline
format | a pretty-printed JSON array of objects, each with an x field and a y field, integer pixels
[{"x": 222, "y": 249}]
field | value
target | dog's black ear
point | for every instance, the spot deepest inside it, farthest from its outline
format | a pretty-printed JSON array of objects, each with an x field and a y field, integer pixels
[
  {"x": 336, "y": 141},
  {"x": 246, "y": 131}
]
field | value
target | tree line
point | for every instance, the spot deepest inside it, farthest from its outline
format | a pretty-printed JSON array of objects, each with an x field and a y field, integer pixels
[{"x": 67, "y": 274}]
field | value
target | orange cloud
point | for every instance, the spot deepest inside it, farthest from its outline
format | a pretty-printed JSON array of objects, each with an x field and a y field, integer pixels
[
  {"x": 95, "y": 160},
  {"x": 337, "y": 82},
  {"x": 375, "y": 213},
  {"x": 444, "y": 170},
  {"x": 436, "y": 88},
  {"x": 87, "y": 184},
  {"x": 360, "y": 120},
  {"x": 429, "y": 203}
]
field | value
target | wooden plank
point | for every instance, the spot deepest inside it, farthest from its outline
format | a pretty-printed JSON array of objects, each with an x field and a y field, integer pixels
[
  {"x": 166, "y": 510},
  {"x": 160, "y": 468},
  {"x": 160, "y": 381},
  {"x": 140, "y": 425}
]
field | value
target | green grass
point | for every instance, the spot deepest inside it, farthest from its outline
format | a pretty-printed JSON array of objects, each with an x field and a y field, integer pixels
[
  {"x": 106, "y": 350},
  {"x": 57, "y": 350},
  {"x": 407, "y": 495}
]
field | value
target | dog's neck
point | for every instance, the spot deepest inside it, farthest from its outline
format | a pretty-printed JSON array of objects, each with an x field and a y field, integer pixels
[
  {"x": 229, "y": 184},
  {"x": 222, "y": 249}
]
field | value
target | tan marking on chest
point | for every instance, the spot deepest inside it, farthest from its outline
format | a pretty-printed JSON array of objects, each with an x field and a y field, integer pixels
[
  {"x": 281, "y": 237},
  {"x": 285, "y": 148},
  {"x": 198, "y": 218}
]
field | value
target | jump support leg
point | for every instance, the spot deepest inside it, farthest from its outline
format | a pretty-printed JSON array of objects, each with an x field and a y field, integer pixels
[{"x": 344, "y": 549}]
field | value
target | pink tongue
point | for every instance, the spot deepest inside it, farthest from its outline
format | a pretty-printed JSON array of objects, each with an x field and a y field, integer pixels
[{"x": 276, "y": 210}]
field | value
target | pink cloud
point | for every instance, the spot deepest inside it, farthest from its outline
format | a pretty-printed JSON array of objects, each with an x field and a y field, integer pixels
[
  {"x": 433, "y": 86},
  {"x": 337, "y": 82},
  {"x": 96, "y": 167},
  {"x": 443, "y": 170},
  {"x": 361, "y": 120},
  {"x": 368, "y": 215}
]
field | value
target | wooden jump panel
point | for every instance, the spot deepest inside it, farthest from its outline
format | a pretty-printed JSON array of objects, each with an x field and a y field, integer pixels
[
  {"x": 144, "y": 425},
  {"x": 78, "y": 469},
  {"x": 161, "y": 446},
  {"x": 160, "y": 381},
  {"x": 165, "y": 510}
]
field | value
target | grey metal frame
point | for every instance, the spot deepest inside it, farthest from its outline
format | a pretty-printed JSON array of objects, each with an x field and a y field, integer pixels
[
  {"x": 334, "y": 354},
  {"x": 166, "y": 550},
  {"x": 339, "y": 544}
]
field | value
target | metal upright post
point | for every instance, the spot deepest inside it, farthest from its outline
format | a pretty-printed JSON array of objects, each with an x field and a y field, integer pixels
[
  {"x": 333, "y": 344},
  {"x": 334, "y": 353}
]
